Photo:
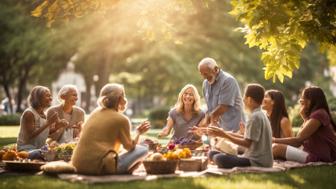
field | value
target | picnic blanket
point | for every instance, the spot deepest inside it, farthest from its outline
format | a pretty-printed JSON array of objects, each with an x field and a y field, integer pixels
[{"x": 140, "y": 174}]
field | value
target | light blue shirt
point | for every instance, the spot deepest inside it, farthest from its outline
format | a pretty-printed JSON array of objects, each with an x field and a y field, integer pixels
[{"x": 225, "y": 91}]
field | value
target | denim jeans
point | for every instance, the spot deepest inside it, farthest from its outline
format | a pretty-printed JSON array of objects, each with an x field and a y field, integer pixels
[
  {"x": 228, "y": 161},
  {"x": 130, "y": 158}
]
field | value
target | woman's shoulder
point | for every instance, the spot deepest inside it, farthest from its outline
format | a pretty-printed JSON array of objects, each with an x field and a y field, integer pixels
[
  {"x": 319, "y": 114},
  {"x": 79, "y": 110},
  {"x": 284, "y": 120},
  {"x": 27, "y": 113},
  {"x": 54, "y": 108},
  {"x": 173, "y": 112}
]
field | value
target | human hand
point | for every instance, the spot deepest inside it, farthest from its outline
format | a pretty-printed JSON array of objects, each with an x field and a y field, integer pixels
[
  {"x": 216, "y": 131},
  {"x": 161, "y": 135},
  {"x": 143, "y": 127},
  {"x": 196, "y": 130},
  {"x": 78, "y": 125},
  {"x": 63, "y": 123},
  {"x": 214, "y": 120}
]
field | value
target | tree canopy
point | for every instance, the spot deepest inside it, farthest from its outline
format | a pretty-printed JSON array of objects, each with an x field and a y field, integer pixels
[{"x": 280, "y": 28}]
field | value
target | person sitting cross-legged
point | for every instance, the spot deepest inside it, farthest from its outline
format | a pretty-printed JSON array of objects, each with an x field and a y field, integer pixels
[
  {"x": 316, "y": 135},
  {"x": 99, "y": 148},
  {"x": 257, "y": 138}
]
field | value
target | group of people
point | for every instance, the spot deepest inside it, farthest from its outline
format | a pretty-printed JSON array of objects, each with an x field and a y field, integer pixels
[{"x": 265, "y": 135}]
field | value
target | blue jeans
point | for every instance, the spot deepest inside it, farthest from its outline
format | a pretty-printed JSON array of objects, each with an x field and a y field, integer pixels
[
  {"x": 130, "y": 158},
  {"x": 228, "y": 161},
  {"x": 35, "y": 154}
]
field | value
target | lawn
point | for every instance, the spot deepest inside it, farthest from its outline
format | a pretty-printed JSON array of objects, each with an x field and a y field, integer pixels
[{"x": 312, "y": 177}]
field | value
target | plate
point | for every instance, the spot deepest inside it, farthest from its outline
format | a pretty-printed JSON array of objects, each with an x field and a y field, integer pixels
[{"x": 23, "y": 166}]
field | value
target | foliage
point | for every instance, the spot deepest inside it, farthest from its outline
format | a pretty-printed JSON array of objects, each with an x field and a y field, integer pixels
[
  {"x": 28, "y": 50},
  {"x": 281, "y": 35},
  {"x": 282, "y": 29},
  {"x": 158, "y": 117},
  {"x": 294, "y": 115},
  {"x": 332, "y": 104},
  {"x": 11, "y": 119}
]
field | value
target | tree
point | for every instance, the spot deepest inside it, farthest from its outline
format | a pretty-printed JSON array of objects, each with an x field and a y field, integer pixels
[
  {"x": 27, "y": 49},
  {"x": 280, "y": 28}
]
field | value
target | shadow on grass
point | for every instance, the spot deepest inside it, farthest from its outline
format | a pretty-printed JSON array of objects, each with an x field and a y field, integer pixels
[{"x": 311, "y": 177}]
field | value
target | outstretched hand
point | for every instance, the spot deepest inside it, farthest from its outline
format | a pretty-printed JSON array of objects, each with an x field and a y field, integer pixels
[
  {"x": 196, "y": 130},
  {"x": 216, "y": 131},
  {"x": 143, "y": 127}
]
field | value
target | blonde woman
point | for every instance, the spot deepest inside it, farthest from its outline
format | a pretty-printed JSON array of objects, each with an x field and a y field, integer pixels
[
  {"x": 99, "y": 148},
  {"x": 186, "y": 113},
  {"x": 71, "y": 114}
]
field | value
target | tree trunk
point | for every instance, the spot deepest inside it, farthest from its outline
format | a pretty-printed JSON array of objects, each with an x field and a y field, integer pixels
[
  {"x": 22, "y": 87},
  {"x": 88, "y": 84},
  {"x": 9, "y": 96}
]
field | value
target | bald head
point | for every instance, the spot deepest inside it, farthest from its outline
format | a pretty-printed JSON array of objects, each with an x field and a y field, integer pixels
[
  {"x": 208, "y": 63},
  {"x": 209, "y": 70}
]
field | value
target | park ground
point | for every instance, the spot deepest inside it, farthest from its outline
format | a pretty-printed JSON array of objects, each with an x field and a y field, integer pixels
[{"x": 310, "y": 177}]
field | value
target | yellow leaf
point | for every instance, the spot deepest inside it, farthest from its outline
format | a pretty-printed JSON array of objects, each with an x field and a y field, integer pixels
[{"x": 37, "y": 12}]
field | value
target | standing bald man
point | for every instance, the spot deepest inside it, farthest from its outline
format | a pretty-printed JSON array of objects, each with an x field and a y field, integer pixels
[{"x": 222, "y": 95}]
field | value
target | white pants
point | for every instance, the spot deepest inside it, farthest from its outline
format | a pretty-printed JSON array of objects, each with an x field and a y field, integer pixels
[{"x": 296, "y": 154}]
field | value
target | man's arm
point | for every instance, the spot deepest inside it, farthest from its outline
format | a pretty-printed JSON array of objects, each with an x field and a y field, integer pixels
[{"x": 218, "y": 111}]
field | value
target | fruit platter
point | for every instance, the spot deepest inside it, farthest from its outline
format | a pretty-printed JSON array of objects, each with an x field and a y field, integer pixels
[
  {"x": 187, "y": 142},
  {"x": 18, "y": 161},
  {"x": 54, "y": 151},
  {"x": 171, "y": 158}
]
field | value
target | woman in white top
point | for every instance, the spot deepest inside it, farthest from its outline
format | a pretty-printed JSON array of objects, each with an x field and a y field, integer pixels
[
  {"x": 34, "y": 127},
  {"x": 72, "y": 115}
]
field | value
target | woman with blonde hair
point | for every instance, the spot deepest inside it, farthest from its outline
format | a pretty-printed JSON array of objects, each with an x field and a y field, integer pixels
[
  {"x": 70, "y": 113},
  {"x": 99, "y": 148},
  {"x": 186, "y": 113}
]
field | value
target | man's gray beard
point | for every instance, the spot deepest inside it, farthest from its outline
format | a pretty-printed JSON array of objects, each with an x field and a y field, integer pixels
[{"x": 212, "y": 81}]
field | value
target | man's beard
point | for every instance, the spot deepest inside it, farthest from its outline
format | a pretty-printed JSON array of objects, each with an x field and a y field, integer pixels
[{"x": 212, "y": 81}]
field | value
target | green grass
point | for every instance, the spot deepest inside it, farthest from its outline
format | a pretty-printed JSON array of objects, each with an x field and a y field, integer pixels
[
  {"x": 310, "y": 177},
  {"x": 313, "y": 177}
]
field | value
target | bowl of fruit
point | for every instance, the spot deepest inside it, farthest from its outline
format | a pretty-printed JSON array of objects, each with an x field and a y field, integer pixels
[
  {"x": 158, "y": 164},
  {"x": 188, "y": 142}
]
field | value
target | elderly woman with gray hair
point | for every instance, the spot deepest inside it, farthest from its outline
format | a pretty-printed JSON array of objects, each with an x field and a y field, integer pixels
[
  {"x": 99, "y": 148},
  {"x": 34, "y": 125},
  {"x": 72, "y": 116}
]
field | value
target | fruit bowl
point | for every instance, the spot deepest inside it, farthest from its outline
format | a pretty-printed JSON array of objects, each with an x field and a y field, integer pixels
[
  {"x": 191, "y": 146},
  {"x": 160, "y": 166}
]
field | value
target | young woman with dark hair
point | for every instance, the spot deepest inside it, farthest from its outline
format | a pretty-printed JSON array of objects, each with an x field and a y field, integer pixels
[
  {"x": 316, "y": 135},
  {"x": 275, "y": 107}
]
